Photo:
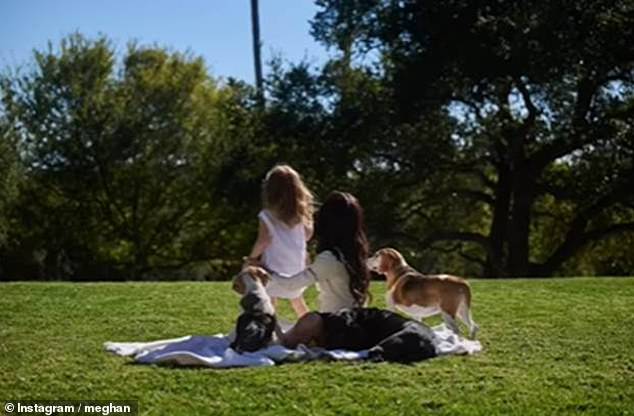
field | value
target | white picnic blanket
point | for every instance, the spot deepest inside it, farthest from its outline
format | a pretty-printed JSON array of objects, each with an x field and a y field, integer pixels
[{"x": 214, "y": 351}]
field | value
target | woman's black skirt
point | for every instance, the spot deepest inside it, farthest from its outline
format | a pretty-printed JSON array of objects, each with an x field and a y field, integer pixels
[{"x": 387, "y": 335}]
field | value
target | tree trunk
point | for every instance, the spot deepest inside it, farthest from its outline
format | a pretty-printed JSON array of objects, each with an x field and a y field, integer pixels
[
  {"x": 499, "y": 224},
  {"x": 140, "y": 263},
  {"x": 519, "y": 231}
]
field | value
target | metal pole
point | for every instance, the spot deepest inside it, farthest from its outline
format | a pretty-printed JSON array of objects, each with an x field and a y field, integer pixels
[{"x": 255, "y": 23}]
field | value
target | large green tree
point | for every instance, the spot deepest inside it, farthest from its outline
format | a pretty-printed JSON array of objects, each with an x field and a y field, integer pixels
[
  {"x": 542, "y": 93},
  {"x": 9, "y": 176},
  {"x": 123, "y": 158}
]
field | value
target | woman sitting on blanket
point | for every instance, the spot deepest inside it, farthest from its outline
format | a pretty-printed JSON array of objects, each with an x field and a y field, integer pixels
[
  {"x": 339, "y": 269},
  {"x": 343, "y": 281}
]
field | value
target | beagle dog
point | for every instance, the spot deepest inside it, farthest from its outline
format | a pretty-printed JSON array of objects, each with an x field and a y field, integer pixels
[
  {"x": 257, "y": 323},
  {"x": 421, "y": 296}
]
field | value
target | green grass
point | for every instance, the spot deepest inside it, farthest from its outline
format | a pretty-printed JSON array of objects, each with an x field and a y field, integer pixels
[{"x": 558, "y": 346}]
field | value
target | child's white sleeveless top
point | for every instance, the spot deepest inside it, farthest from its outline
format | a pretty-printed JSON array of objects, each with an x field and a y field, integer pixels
[{"x": 286, "y": 254}]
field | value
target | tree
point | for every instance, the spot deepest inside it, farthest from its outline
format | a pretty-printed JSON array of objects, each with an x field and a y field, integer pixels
[
  {"x": 543, "y": 96},
  {"x": 9, "y": 176},
  {"x": 123, "y": 160}
]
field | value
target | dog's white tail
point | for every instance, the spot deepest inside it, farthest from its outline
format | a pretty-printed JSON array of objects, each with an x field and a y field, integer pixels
[{"x": 464, "y": 313}]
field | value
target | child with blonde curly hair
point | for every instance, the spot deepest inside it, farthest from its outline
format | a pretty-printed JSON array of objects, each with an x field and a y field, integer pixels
[{"x": 285, "y": 225}]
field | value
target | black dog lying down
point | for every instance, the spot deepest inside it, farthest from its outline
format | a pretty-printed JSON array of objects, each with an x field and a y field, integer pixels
[
  {"x": 415, "y": 342},
  {"x": 387, "y": 335},
  {"x": 257, "y": 324}
]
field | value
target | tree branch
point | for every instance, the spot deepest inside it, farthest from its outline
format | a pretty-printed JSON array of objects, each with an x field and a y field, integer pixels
[
  {"x": 561, "y": 147},
  {"x": 601, "y": 234},
  {"x": 471, "y": 169},
  {"x": 528, "y": 102},
  {"x": 475, "y": 195},
  {"x": 577, "y": 236}
]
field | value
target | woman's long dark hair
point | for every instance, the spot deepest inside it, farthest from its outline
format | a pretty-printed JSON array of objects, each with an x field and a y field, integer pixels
[{"x": 340, "y": 228}]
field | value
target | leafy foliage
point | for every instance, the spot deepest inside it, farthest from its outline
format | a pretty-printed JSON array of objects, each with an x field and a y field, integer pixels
[
  {"x": 483, "y": 138},
  {"x": 123, "y": 161},
  {"x": 9, "y": 177},
  {"x": 540, "y": 94}
]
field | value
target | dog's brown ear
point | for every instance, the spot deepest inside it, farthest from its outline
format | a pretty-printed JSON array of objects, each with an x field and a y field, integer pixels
[
  {"x": 261, "y": 274},
  {"x": 238, "y": 284},
  {"x": 389, "y": 258}
]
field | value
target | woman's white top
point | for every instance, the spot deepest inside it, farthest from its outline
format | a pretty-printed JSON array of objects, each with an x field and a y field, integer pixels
[
  {"x": 286, "y": 254},
  {"x": 332, "y": 280}
]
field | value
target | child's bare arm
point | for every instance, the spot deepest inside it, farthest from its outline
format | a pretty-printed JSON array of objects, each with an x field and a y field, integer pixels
[
  {"x": 261, "y": 243},
  {"x": 308, "y": 230}
]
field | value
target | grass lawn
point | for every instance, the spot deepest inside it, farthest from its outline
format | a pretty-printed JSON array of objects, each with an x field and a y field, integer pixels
[{"x": 550, "y": 347}]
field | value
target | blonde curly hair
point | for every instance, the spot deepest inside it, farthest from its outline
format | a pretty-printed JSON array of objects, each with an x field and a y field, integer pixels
[{"x": 287, "y": 197}]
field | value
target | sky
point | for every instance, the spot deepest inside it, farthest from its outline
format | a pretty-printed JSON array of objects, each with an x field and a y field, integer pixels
[{"x": 217, "y": 30}]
